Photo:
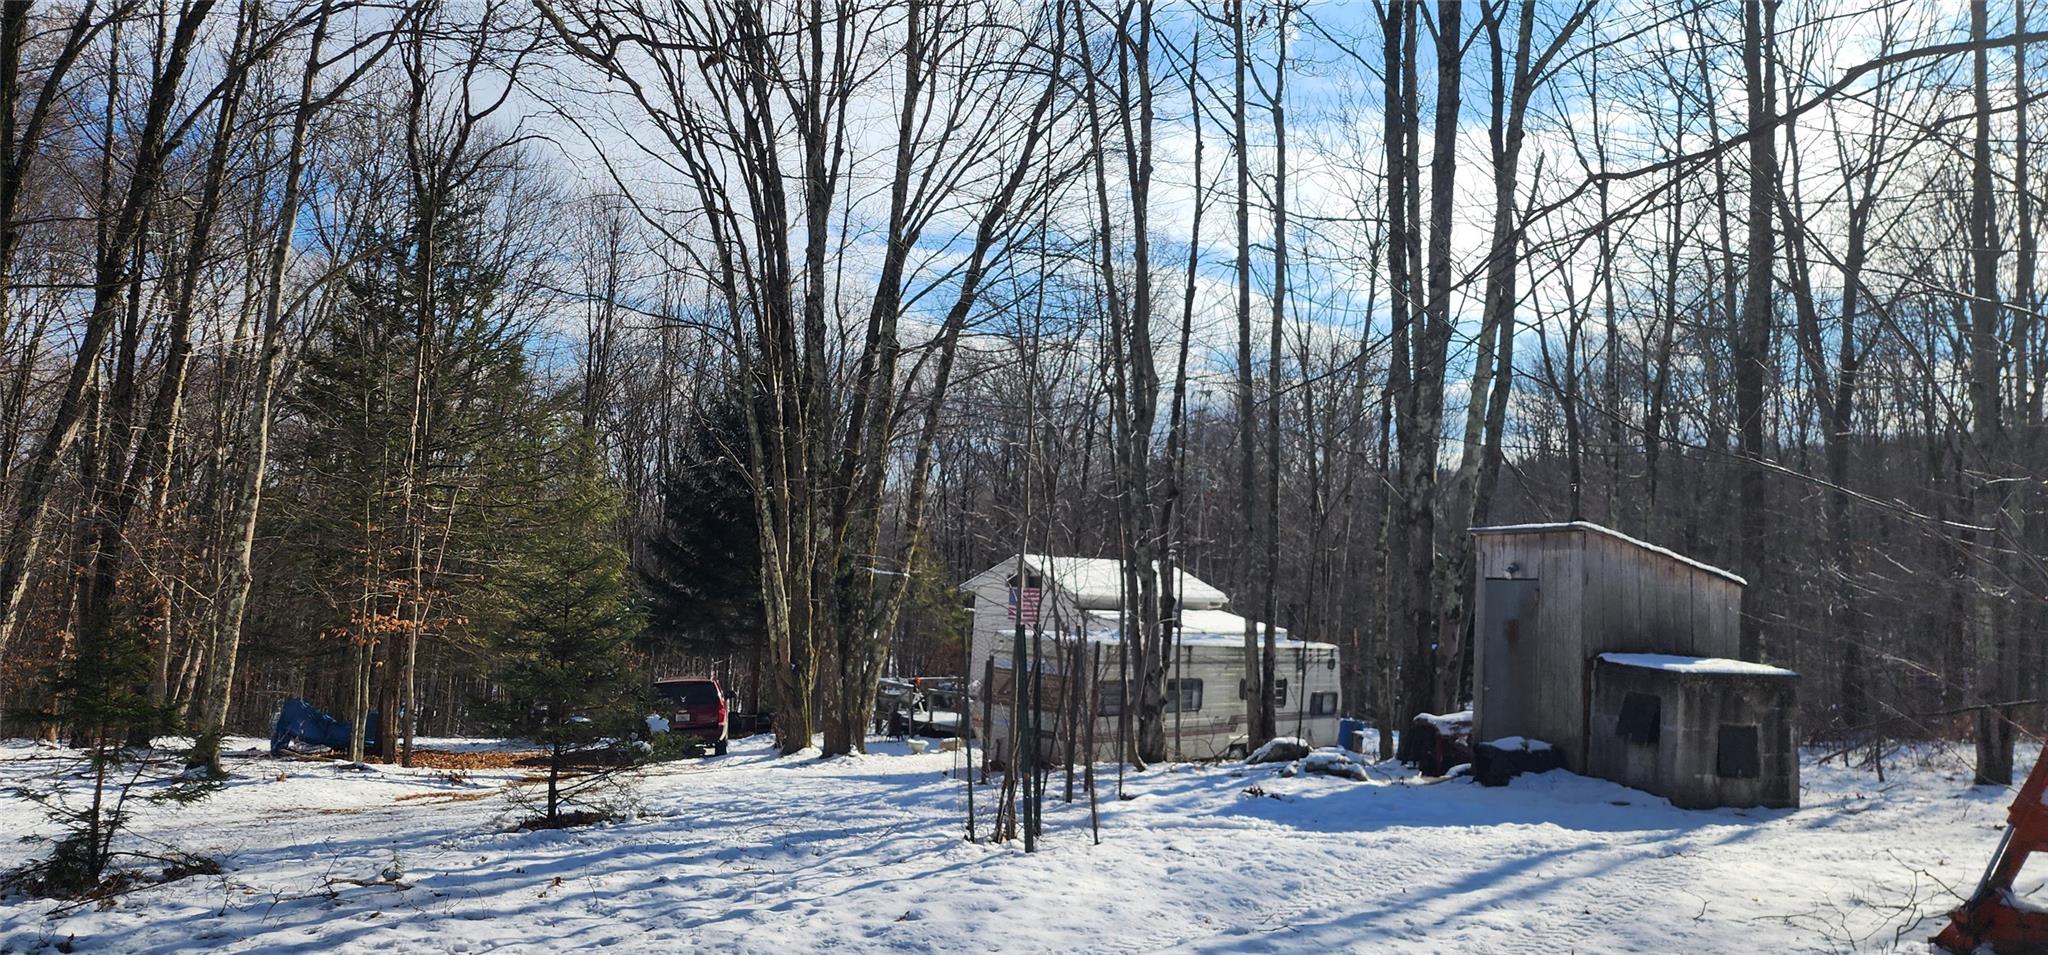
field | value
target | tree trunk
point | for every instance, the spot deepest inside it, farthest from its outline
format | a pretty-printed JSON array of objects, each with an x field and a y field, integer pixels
[
  {"x": 223, "y": 628},
  {"x": 1424, "y": 417},
  {"x": 113, "y": 273},
  {"x": 1751, "y": 351},
  {"x": 1257, "y": 707},
  {"x": 1996, "y": 676}
]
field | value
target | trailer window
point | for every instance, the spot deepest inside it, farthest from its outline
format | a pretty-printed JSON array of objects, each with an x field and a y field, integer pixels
[
  {"x": 1109, "y": 700},
  {"x": 1322, "y": 704},
  {"x": 1244, "y": 691},
  {"x": 1183, "y": 696}
]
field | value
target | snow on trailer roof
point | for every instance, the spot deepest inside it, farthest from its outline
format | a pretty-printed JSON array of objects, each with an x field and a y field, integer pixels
[
  {"x": 1098, "y": 582},
  {"x": 1670, "y": 663},
  {"x": 1617, "y": 535},
  {"x": 1199, "y": 628}
]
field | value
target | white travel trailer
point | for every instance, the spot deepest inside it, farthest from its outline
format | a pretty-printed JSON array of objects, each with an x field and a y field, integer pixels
[{"x": 1080, "y": 600}]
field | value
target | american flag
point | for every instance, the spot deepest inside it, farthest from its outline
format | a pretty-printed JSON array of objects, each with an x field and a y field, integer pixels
[{"x": 1029, "y": 600}]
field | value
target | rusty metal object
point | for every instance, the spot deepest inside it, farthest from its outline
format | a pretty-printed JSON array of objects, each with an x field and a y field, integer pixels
[{"x": 1994, "y": 918}]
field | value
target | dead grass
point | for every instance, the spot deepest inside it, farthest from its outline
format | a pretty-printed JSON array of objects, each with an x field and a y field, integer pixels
[
  {"x": 482, "y": 759},
  {"x": 441, "y": 797},
  {"x": 565, "y": 820},
  {"x": 485, "y": 759}
]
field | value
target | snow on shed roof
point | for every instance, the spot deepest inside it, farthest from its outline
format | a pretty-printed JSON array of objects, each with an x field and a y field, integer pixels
[
  {"x": 1677, "y": 664},
  {"x": 1096, "y": 583},
  {"x": 1611, "y": 532}
]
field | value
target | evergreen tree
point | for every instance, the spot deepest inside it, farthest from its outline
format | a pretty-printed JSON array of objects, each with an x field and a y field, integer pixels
[
  {"x": 564, "y": 642},
  {"x": 933, "y": 624},
  {"x": 337, "y": 542},
  {"x": 701, "y": 570}
]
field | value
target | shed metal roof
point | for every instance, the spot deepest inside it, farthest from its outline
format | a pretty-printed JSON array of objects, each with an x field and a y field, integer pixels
[
  {"x": 1611, "y": 532},
  {"x": 1671, "y": 663}
]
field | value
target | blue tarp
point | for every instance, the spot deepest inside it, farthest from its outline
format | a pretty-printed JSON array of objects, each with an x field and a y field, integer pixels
[{"x": 300, "y": 721}]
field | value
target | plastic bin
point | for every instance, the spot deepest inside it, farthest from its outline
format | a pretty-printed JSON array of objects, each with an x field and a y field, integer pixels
[{"x": 1348, "y": 734}]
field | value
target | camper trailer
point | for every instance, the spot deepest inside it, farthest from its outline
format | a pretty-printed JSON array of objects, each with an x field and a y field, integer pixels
[{"x": 1075, "y": 616}]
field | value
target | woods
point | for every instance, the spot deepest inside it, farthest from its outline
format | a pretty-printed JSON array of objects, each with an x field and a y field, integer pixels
[{"x": 338, "y": 338}]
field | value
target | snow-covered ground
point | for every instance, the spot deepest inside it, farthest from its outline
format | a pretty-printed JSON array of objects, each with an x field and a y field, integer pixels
[{"x": 749, "y": 852}]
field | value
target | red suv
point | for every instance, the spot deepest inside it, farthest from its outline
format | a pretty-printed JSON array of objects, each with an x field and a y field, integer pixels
[{"x": 695, "y": 706}]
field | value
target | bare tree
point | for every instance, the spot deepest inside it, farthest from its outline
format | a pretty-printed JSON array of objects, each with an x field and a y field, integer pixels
[{"x": 728, "y": 125}]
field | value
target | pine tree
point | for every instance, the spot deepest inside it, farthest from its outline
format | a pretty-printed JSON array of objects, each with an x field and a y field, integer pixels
[
  {"x": 702, "y": 568},
  {"x": 933, "y": 623},
  {"x": 564, "y": 643},
  {"x": 337, "y": 540}
]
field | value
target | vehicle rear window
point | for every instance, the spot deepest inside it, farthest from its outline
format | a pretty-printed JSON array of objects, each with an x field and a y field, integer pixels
[{"x": 692, "y": 693}]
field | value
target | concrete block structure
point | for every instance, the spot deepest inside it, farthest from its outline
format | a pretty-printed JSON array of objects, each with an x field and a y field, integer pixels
[{"x": 1701, "y": 732}]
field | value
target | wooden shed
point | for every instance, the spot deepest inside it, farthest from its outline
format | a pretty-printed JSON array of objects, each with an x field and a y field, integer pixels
[{"x": 1552, "y": 597}]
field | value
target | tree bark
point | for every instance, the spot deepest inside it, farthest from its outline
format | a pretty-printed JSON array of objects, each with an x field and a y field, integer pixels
[
  {"x": 1996, "y": 676},
  {"x": 1751, "y": 351},
  {"x": 1258, "y": 728},
  {"x": 223, "y": 622},
  {"x": 113, "y": 273}
]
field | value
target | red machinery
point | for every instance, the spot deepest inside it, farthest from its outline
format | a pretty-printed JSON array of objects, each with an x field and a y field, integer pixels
[{"x": 1994, "y": 918}]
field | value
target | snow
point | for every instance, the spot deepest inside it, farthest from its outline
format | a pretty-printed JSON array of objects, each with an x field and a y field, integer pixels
[
  {"x": 1611, "y": 532},
  {"x": 1519, "y": 743},
  {"x": 1098, "y": 582},
  {"x": 1288, "y": 744},
  {"x": 751, "y": 852},
  {"x": 1678, "y": 664},
  {"x": 1448, "y": 724},
  {"x": 1331, "y": 761},
  {"x": 1199, "y": 628}
]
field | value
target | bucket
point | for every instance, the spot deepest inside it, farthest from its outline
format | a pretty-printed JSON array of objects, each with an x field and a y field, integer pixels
[{"x": 918, "y": 746}]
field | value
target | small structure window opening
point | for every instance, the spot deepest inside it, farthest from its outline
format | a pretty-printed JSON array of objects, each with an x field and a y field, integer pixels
[
  {"x": 1322, "y": 704},
  {"x": 1641, "y": 715},
  {"x": 1738, "y": 757},
  {"x": 1183, "y": 696}
]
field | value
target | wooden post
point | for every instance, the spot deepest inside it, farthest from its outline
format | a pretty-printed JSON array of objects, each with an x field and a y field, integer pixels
[
  {"x": 963, "y": 723},
  {"x": 1123, "y": 708},
  {"x": 1069, "y": 696},
  {"x": 1089, "y": 704},
  {"x": 988, "y": 683},
  {"x": 1034, "y": 790}
]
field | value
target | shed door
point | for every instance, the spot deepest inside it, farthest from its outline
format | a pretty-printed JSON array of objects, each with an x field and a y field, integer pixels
[{"x": 1509, "y": 643}]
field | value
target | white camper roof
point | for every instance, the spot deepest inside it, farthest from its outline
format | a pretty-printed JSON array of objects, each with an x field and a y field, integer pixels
[
  {"x": 1199, "y": 628},
  {"x": 1097, "y": 583}
]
